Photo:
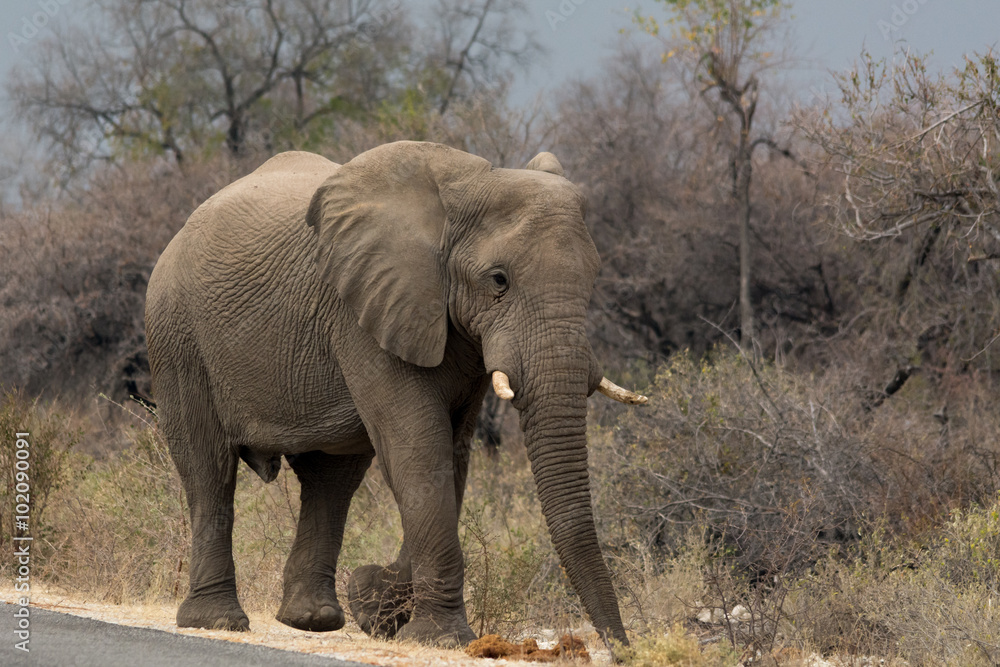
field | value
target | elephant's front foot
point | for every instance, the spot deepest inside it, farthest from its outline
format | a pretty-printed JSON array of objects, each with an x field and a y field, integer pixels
[
  {"x": 446, "y": 634},
  {"x": 213, "y": 612},
  {"x": 314, "y": 609},
  {"x": 380, "y": 600}
]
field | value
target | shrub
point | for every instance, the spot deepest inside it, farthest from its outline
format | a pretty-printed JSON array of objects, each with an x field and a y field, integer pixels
[
  {"x": 929, "y": 604},
  {"x": 499, "y": 572},
  {"x": 757, "y": 455},
  {"x": 728, "y": 489},
  {"x": 676, "y": 647},
  {"x": 121, "y": 529},
  {"x": 513, "y": 582},
  {"x": 51, "y": 440},
  {"x": 73, "y": 278}
]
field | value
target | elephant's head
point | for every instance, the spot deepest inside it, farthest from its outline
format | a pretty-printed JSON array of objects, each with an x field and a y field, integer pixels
[{"x": 415, "y": 236}]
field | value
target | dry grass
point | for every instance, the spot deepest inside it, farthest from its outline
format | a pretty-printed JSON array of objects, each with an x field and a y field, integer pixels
[
  {"x": 754, "y": 567},
  {"x": 48, "y": 466},
  {"x": 677, "y": 648}
]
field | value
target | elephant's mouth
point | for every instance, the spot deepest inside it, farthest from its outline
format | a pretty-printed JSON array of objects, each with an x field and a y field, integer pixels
[{"x": 501, "y": 385}]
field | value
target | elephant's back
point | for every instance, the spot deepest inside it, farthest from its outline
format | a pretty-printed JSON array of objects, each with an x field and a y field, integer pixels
[
  {"x": 242, "y": 247},
  {"x": 265, "y": 202},
  {"x": 243, "y": 226}
]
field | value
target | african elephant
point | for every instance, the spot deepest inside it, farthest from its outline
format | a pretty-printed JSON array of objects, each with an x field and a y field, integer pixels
[{"x": 330, "y": 313}]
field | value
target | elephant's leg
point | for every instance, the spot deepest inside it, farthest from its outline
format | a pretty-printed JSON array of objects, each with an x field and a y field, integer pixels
[
  {"x": 381, "y": 598},
  {"x": 328, "y": 484},
  {"x": 208, "y": 472},
  {"x": 425, "y": 494}
]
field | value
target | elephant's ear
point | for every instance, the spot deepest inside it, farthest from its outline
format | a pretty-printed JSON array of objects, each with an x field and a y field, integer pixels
[
  {"x": 548, "y": 162},
  {"x": 381, "y": 228},
  {"x": 545, "y": 161}
]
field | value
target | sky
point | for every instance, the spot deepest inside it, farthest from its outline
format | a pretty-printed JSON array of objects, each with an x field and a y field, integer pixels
[
  {"x": 579, "y": 34},
  {"x": 824, "y": 34}
]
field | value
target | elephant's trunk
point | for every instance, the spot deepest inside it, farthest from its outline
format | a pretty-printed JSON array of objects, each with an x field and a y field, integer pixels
[{"x": 553, "y": 410}]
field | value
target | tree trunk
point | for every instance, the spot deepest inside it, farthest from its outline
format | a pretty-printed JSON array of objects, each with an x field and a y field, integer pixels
[
  {"x": 488, "y": 425},
  {"x": 235, "y": 135},
  {"x": 741, "y": 193}
]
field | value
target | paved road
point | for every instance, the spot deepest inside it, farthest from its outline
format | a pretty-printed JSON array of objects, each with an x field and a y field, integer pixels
[{"x": 65, "y": 640}]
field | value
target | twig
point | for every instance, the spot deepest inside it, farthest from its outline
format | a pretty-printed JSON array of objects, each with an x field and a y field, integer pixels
[
  {"x": 784, "y": 152},
  {"x": 982, "y": 258},
  {"x": 753, "y": 368},
  {"x": 944, "y": 120},
  {"x": 993, "y": 340},
  {"x": 894, "y": 385}
]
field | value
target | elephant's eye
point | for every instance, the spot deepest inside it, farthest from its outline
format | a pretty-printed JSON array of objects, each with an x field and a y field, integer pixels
[{"x": 500, "y": 281}]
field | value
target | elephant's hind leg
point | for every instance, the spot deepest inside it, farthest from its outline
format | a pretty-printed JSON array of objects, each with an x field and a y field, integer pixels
[
  {"x": 208, "y": 471},
  {"x": 328, "y": 483},
  {"x": 381, "y": 598}
]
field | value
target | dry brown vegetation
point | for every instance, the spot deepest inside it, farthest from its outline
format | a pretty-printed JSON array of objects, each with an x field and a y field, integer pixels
[
  {"x": 773, "y": 508},
  {"x": 833, "y": 491}
]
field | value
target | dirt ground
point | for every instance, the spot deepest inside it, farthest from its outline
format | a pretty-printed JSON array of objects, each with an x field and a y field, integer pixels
[{"x": 349, "y": 643}]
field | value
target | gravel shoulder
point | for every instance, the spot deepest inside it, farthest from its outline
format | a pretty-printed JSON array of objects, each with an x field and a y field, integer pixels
[{"x": 349, "y": 644}]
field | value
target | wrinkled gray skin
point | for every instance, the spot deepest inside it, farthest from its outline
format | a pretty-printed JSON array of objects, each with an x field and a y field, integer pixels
[{"x": 330, "y": 313}]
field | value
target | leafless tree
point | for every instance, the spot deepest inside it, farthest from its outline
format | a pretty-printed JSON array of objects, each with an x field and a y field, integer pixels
[
  {"x": 723, "y": 44},
  {"x": 656, "y": 171},
  {"x": 920, "y": 151},
  {"x": 477, "y": 44},
  {"x": 173, "y": 76},
  {"x": 916, "y": 159}
]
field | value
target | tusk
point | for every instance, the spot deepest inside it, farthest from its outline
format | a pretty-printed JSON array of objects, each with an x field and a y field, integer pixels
[
  {"x": 501, "y": 385},
  {"x": 611, "y": 390}
]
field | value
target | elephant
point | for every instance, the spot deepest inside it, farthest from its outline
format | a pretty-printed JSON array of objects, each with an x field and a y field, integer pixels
[{"x": 331, "y": 313}]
